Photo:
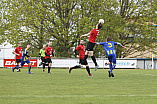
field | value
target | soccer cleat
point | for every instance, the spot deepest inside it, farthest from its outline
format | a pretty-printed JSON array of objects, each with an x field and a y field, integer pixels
[
  {"x": 112, "y": 74},
  {"x": 43, "y": 70},
  {"x": 18, "y": 70},
  {"x": 109, "y": 73},
  {"x": 90, "y": 75},
  {"x": 96, "y": 67},
  {"x": 30, "y": 72},
  {"x": 13, "y": 69},
  {"x": 49, "y": 73},
  {"x": 70, "y": 69}
]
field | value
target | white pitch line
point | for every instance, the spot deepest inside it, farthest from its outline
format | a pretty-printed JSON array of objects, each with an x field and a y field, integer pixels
[
  {"x": 74, "y": 96},
  {"x": 145, "y": 74}
]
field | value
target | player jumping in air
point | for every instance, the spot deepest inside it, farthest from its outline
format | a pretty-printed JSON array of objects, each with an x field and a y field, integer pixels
[
  {"x": 111, "y": 53},
  {"x": 48, "y": 54},
  {"x": 90, "y": 45},
  {"x": 81, "y": 49},
  {"x": 18, "y": 53},
  {"x": 42, "y": 55},
  {"x": 25, "y": 59}
]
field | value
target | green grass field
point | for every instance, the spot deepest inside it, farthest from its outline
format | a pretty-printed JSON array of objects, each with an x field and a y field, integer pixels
[{"x": 60, "y": 87}]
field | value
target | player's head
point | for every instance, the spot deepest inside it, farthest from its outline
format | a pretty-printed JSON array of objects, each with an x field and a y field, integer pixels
[
  {"x": 108, "y": 38},
  {"x": 99, "y": 26},
  {"x": 50, "y": 44},
  {"x": 81, "y": 41},
  {"x": 44, "y": 46},
  {"x": 28, "y": 46},
  {"x": 19, "y": 44}
]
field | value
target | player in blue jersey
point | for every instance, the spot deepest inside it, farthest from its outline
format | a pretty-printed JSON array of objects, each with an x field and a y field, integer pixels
[
  {"x": 111, "y": 53},
  {"x": 25, "y": 59}
]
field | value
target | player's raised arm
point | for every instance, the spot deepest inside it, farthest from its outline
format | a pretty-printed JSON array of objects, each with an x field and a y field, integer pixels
[
  {"x": 85, "y": 35},
  {"x": 101, "y": 43},
  {"x": 97, "y": 43},
  {"x": 120, "y": 44}
]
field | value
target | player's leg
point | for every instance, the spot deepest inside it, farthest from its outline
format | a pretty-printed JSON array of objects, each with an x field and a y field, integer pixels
[
  {"x": 110, "y": 65},
  {"x": 93, "y": 57},
  {"x": 114, "y": 64},
  {"x": 94, "y": 60},
  {"x": 49, "y": 66},
  {"x": 43, "y": 63},
  {"x": 88, "y": 70},
  {"x": 75, "y": 67},
  {"x": 29, "y": 67},
  {"x": 18, "y": 63},
  {"x": 18, "y": 66}
]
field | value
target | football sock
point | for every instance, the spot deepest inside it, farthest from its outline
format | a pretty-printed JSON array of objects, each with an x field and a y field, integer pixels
[
  {"x": 113, "y": 67},
  {"x": 84, "y": 61},
  {"x": 29, "y": 68},
  {"x": 43, "y": 65},
  {"x": 88, "y": 70},
  {"x": 49, "y": 69},
  {"x": 94, "y": 60},
  {"x": 75, "y": 67},
  {"x": 16, "y": 67},
  {"x": 110, "y": 65}
]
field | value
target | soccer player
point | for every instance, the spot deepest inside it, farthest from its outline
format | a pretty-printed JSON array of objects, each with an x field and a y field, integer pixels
[
  {"x": 18, "y": 54},
  {"x": 25, "y": 59},
  {"x": 90, "y": 45},
  {"x": 111, "y": 53},
  {"x": 48, "y": 54},
  {"x": 42, "y": 55},
  {"x": 81, "y": 49}
]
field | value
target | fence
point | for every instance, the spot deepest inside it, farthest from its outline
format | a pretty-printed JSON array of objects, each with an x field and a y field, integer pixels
[{"x": 129, "y": 63}]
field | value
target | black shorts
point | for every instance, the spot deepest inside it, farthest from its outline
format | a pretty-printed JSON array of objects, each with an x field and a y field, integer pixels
[
  {"x": 80, "y": 61},
  {"x": 18, "y": 60},
  {"x": 43, "y": 59},
  {"x": 90, "y": 46},
  {"x": 48, "y": 60}
]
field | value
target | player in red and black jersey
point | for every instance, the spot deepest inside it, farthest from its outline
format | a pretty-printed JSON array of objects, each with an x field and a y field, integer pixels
[
  {"x": 18, "y": 53},
  {"x": 90, "y": 45},
  {"x": 81, "y": 49},
  {"x": 48, "y": 54}
]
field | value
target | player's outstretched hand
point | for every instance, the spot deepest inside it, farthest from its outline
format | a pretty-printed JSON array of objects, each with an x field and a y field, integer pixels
[
  {"x": 97, "y": 43},
  {"x": 77, "y": 56},
  {"x": 54, "y": 57},
  {"x": 122, "y": 46},
  {"x": 81, "y": 36}
]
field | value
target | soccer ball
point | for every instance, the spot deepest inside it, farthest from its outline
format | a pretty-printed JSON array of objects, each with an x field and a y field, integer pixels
[{"x": 101, "y": 21}]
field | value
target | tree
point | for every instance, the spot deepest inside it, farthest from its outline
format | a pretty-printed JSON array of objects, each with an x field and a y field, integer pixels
[{"x": 63, "y": 21}]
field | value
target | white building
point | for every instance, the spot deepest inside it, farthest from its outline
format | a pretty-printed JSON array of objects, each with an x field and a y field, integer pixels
[{"x": 6, "y": 51}]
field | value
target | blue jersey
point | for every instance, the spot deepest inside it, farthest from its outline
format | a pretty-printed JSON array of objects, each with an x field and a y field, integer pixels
[
  {"x": 24, "y": 57},
  {"x": 109, "y": 47}
]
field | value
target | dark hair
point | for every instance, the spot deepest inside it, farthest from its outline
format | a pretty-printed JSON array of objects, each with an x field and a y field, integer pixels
[
  {"x": 99, "y": 26},
  {"x": 108, "y": 38},
  {"x": 28, "y": 44},
  {"x": 19, "y": 43}
]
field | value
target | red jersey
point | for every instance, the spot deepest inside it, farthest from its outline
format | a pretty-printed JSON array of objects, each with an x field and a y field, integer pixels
[
  {"x": 18, "y": 50},
  {"x": 81, "y": 49},
  {"x": 93, "y": 35},
  {"x": 49, "y": 51}
]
